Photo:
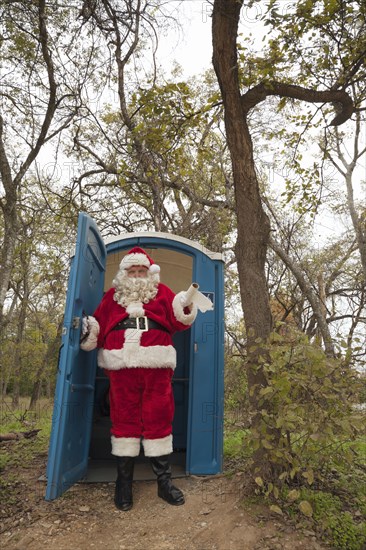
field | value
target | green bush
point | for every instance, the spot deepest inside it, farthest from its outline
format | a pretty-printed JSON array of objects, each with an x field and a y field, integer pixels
[
  {"x": 310, "y": 432},
  {"x": 306, "y": 412}
]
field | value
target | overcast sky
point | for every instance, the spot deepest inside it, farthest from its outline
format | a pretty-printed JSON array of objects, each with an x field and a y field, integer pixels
[{"x": 191, "y": 46}]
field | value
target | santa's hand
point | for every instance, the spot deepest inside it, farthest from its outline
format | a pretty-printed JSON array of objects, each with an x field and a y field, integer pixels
[{"x": 89, "y": 333}]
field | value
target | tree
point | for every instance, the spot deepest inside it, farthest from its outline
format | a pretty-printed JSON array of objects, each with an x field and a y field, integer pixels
[
  {"x": 42, "y": 79},
  {"x": 187, "y": 156},
  {"x": 36, "y": 294},
  {"x": 252, "y": 222},
  {"x": 153, "y": 153}
]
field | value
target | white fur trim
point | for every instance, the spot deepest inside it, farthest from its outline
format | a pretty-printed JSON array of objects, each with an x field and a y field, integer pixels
[
  {"x": 138, "y": 356},
  {"x": 91, "y": 341},
  {"x": 178, "y": 309},
  {"x": 154, "y": 268},
  {"x": 132, "y": 339},
  {"x": 158, "y": 447},
  {"x": 125, "y": 446},
  {"x": 134, "y": 259},
  {"x": 135, "y": 309}
]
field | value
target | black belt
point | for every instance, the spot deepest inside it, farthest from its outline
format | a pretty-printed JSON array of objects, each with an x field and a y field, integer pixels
[{"x": 141, "y": 323}]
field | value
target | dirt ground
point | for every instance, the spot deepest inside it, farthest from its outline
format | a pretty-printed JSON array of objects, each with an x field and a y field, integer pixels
[{"x": 217, "y": 515}]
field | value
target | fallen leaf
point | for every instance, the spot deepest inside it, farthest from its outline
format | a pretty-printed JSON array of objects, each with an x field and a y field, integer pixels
[
  {"x": 276, "y": 509},
  {"x": 305, "y": 508}
]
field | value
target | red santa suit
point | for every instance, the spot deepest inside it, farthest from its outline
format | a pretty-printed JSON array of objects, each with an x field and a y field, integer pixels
[{"x": 140, "y": 363}]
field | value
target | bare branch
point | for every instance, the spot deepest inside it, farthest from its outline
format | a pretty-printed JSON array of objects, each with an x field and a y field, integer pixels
[
  {"x": 51, "y": 107},
  {"x": 309, "y": 293}
]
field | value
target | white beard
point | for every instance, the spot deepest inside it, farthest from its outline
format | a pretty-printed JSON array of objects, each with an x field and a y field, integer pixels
[{"x": 130, "y": 290}]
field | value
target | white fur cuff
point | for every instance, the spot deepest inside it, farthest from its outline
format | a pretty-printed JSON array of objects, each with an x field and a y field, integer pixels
[
  {"x": 91, "y": 341},
  {"x": 125, "y": 446},
  {"x": 158, "y": 447},
  {"x": 178, "y": 310}
]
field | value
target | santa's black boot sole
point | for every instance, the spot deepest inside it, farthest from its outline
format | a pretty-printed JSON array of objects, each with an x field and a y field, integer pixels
[{"x": 171, "y": 494}]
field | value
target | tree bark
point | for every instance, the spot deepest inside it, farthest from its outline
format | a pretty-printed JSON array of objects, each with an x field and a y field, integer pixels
[{"x": 252, "y": 223}]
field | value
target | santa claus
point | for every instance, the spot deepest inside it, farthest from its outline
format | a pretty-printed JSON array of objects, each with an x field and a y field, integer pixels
[{"x": 133, "y": 327}]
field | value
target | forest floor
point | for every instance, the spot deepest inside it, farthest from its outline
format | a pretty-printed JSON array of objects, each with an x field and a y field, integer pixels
[{"x": 218, "y": 515}]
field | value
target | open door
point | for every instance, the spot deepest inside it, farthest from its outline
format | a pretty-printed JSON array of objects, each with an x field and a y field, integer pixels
[{"x": 73, "y": 407}]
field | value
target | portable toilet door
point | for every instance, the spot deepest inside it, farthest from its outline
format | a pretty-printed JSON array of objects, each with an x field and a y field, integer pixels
[
  {"x": 80, "y": 430},
  {"x": 74, "y": 396}
]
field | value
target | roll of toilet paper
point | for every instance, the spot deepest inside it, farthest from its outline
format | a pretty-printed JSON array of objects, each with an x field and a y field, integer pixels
[{"x": 194, "y": 296}]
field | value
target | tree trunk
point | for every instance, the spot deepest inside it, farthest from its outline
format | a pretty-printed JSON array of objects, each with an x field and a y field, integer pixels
[
  {"x": 50, "y": 353},
  {"x": 252, "y": 222},
  {"x": 8, "y": 206},
  {"x": 36, "y": 391},
  {"x": 359, "y": 225},
  {"x": 4, "y": 387},
  {"x": 17, "y": 368}
]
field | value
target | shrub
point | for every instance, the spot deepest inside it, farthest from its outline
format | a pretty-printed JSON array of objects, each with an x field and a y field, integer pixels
[{"x": 306, "y": 418}]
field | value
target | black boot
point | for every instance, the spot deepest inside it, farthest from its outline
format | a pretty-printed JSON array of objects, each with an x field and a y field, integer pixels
[
  {"x": 123, "y": 492},
  {"x": 166, "y": 491}
]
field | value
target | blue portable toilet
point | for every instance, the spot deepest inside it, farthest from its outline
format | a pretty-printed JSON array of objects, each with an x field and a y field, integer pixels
[{"x": 80, "y": 437}]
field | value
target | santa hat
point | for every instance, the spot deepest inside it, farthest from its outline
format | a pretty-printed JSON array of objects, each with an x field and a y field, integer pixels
[{"x": 138, "y": 256}]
